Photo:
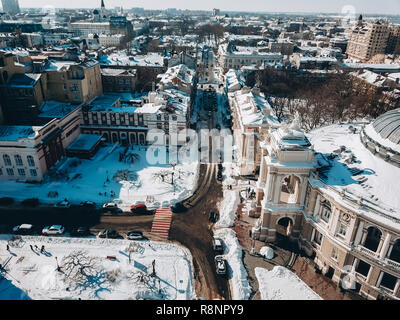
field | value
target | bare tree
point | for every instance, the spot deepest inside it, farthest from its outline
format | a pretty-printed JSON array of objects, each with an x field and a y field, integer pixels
[{"x": 82, "y": 270}]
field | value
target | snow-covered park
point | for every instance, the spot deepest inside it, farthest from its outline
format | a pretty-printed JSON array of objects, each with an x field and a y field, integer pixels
[
  {"x": 88, "y": 270},
  {"x": 282, "y": 284},
  {"x": 106, "y": 177}
]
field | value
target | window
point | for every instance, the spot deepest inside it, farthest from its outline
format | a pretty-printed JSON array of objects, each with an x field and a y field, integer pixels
[
  {"x": 10, "y": 171},
  {"x": 7, "y": 160},
  {"x": 174, "y": 118},
  {"x": 18, "y": 160},
  {"x": 318, "y": 237},
  {"x": 1, "y": 172},
  {"x": 342, "y": 229},
  {"x": 21, "y": 172},
  {"x": 31, "y": 161},
  {"x": 334, "y": 254},
  {"x": 326, "y": 211}
]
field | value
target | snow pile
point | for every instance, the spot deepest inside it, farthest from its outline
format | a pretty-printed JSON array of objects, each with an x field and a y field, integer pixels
[
  {"x": 267, "y": 252},
  {"x": 109, "y": 274},
  {"x": 240, "y": 285},
  {"x": 228, "y": 209},
  {"x": 282, "y": 284}
]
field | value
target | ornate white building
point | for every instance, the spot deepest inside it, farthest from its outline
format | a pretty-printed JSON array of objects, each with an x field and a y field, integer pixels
[{"x": 338, "y": 198}]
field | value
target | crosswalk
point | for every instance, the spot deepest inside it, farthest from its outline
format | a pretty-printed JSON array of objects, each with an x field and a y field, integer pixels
[{"x": 162, "y": 223}]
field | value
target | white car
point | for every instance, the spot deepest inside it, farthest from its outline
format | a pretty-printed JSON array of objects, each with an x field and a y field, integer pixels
[
  {"x": 110, "y": 206},
  {"x": 63, "y": 204},
  {"x": 53, "y": 230}
]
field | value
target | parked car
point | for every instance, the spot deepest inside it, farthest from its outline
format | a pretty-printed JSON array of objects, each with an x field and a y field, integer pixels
[
  {"x": 219, "y": 176},
  {"x": 80, "y": 231},
  {"x": 6, "y": 201},
  {"x": 213, "y": 216},
  {"x": 220, "y": 265},
  {"x": 134, "y": 235},
  {"x": 32, "y": 202},
  {"x": 64, "y": 204},
  {"x": 23, "y": 229},
  {"x": 218, "y": 245},
  {"x": 109, "y": 234},
  {"x": 88, "y": 204},
  {"x": 110, "y": 206},
  {"x": 53, "y": 230},
  {"x": 138, "y": 208},
  {"x": 178, "y": 207}
]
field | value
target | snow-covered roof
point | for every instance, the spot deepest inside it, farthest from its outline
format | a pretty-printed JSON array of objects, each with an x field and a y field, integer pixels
[
  {"x": 122, "y": 59},
  {"x": 371, "y": 77},
  {"x": 355, "y": 168},
  {"x": 55, "y": 109},
  {"x": 85, "y": 142},
  {"x": 254, "y": 109},
  {"x": 14, "y": 133},
  {"x": 180, "y": 72}
]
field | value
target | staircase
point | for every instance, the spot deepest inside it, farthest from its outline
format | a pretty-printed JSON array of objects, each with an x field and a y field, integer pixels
[{"x": 162, "y": 223}]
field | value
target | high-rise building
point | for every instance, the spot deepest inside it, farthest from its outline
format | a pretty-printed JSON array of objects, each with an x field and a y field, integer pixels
[
  {"x": 367, "y": 40},
  {"x": 10, "y": 6},
  {"x": 393, "y": 43}
]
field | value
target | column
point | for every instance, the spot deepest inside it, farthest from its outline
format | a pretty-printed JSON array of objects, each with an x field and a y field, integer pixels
[
  {"x": 359, "y": 233},
  {"x": 354, "y": 266},
  {"x": 312, "y": 235},
  {"x": 385, "y": 246},
  {"x": 396, "y": 288},
  {"x": 364, "y": 237},
  {"x": 317, "y": 205},
  {"x": 380, "y": 245},
  {"x": 378, "y": 283}
]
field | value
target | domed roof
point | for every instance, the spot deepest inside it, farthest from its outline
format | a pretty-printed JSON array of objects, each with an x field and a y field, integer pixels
[
  {"x": 95, "y": 11},
  {"x": 387, "y": 125}
]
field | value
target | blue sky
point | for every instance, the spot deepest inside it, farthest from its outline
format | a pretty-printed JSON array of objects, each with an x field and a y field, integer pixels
[{"x": 364, "y": 6}]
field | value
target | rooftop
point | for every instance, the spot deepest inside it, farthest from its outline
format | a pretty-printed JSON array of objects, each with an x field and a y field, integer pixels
[
  {"x": 347, "y": 164},
  {"x": 14, "y": 133},
  {"x": 55, "y": 109}
]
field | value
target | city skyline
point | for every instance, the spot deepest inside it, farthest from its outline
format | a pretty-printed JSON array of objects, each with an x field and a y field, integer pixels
[{"x": 306, "y": 6}]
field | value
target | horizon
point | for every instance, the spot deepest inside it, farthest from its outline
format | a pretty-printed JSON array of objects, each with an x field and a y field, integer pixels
[{"x": 369, "y": 7}]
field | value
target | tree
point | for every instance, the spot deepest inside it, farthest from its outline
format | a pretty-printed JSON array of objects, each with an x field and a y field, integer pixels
[{"x": 82, "y": 270}]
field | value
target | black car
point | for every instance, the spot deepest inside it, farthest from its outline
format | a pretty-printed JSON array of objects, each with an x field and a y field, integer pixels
[
  {"x": 220, "y": 265},
  {"x": 109, "y": 234},
  {"x": 213, "y": 216},
  {"x": 80, "y": 231},
  {"x": 219, "y": 176},
  {"x": 88, "y": 204},
  {"x": 178, "y": 207}
]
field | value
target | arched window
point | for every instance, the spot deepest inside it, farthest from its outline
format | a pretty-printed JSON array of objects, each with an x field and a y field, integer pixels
[
  {"x": 326, "y": 210},
  {"x": 141, "y": 138},
  {"x": 18, "y": 160},
  {"x": 373, "y": 239},
  {"x": 290, "y": 189},
  {"x": 31, "y": 161},
  {"x": 133, "y": 138},
  {"x": 7, "y": 159}
]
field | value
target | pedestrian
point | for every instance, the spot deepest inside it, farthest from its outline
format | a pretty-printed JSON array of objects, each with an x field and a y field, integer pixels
[
  {"x": 105, "y": 193},
  {"x": 31, "y": 247},
  {"x": 42, "y": 249},
  {"x": 8, "y": 248},
  {"x": 36, "y": 247}
]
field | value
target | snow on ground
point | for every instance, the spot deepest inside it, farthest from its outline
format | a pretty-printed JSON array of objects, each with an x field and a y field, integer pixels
[
  {"x": 236, "y": 270},
  {"x": 33, "y": 275},
  {"x": 282, "y": 284},
  {"x": 130, "y": 182},
  {"x": 228, "y": 208}
]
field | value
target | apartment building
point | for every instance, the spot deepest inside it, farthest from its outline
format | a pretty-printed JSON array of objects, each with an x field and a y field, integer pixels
[
  {"x": 74, "y": 82},
  {"x": 367, "y": 40}
]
